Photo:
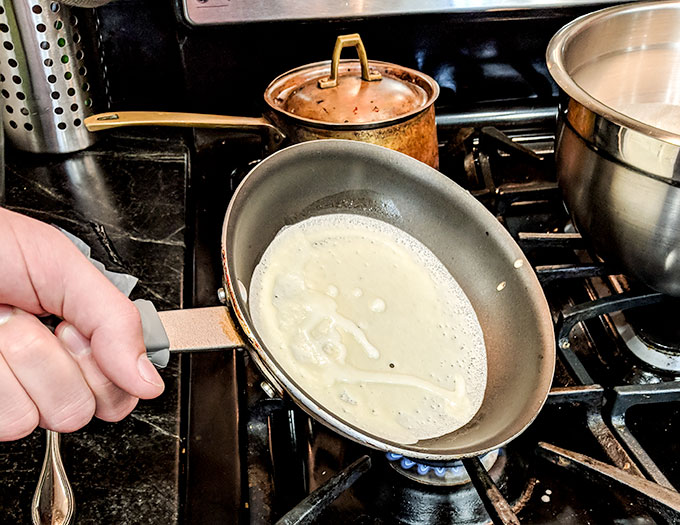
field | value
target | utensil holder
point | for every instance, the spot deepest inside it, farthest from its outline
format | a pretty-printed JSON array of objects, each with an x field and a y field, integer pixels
[{"x": 44, "y": 87}]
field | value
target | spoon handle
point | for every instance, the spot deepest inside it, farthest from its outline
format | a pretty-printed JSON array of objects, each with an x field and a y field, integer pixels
[{"x": 53, "y": 502}]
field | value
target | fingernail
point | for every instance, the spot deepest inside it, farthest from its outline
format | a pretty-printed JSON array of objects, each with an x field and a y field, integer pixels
[
  {"x": 74, "y": 341},
  {"x": 148, "y": 372},
  {"x": 5, "y": 313}
]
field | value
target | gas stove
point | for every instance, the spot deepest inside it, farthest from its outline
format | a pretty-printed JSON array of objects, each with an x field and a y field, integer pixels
[
  {"x": 246, "y": 456},
  {"x": 602, "y": 450}
]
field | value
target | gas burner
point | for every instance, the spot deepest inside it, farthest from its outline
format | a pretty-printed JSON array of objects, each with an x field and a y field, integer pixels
[
  {"x": 445, "y": 476},
  {"x": 661, "y": 358},
  {"x": 651, "y": 333}
]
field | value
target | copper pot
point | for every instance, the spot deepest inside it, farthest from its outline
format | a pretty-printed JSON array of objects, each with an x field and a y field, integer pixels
[{"x": 376, "y": 102}]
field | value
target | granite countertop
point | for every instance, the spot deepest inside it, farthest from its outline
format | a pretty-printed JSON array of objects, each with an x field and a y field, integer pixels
[{"x": 126, "y": 198}]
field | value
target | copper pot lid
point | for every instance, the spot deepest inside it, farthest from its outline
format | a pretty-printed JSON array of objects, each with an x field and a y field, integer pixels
[{"x": 351, "y": 93}]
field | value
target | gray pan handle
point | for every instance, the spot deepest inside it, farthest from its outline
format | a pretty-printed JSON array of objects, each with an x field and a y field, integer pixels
[
  {"x": 192, "y": 330},
  {"x": 155, "y": 337}
]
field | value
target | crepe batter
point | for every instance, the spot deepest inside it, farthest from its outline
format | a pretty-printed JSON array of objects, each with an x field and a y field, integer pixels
[{"x": 370, "y": 324}]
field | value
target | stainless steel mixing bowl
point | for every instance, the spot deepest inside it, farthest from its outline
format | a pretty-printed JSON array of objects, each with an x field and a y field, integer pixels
[{"x": 618, "y": 139}]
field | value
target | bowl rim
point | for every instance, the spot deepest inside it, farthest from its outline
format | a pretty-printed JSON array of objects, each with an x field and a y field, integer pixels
[{"x": 556, "y": 67}]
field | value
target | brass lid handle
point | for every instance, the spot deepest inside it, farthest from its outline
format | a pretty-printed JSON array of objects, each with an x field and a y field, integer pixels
[{"x": 348, "y": 41}]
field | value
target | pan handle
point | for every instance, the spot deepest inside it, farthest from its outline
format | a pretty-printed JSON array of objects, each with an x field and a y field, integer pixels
[
  {"x": 116, "y": 119},
  {"x": 191, "y": 330}
]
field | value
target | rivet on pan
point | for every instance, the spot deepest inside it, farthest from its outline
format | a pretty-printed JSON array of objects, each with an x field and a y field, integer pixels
[
  {"x": 222, "y": 296},
  {"x": 564, "y": 343},
  {"x": 518, "y": 263},
  {"x": 501, "y": 286},
  {"x": 268, "y": 389}
]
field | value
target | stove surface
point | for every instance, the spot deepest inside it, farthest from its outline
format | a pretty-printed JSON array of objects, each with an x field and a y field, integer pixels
[{"x": 255, "y": 458}]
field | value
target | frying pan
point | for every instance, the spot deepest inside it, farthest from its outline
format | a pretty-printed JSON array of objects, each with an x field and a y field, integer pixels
[{"x": 342, "y": 176}]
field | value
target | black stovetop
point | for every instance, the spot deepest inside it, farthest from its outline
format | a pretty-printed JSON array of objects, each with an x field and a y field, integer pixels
[
  {"x": 124, "y": 197},
  {"x": 253, "y": 458}
]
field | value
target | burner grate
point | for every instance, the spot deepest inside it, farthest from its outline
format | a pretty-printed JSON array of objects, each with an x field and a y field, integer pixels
[{"x": 297, "y": 471}]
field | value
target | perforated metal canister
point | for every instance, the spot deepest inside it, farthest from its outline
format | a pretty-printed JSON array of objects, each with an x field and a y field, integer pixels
[{"x": 44, "y": 86}]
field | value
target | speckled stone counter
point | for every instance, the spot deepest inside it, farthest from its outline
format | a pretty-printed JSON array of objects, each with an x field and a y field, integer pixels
[{"x": 126, "y": 198}]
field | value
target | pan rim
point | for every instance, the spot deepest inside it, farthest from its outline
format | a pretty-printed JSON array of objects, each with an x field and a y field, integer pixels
[{"x": 287, "y": 386}]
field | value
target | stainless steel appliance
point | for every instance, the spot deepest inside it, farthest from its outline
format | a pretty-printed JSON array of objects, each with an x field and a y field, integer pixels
[{"x": 218, "y": 12}]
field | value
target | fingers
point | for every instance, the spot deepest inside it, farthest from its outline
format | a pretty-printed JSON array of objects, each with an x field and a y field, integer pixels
[
  {"x": 113, "y": 403},
  {"x": 18, "y": 414},
  {"x": 63, "y": 282},
  {"x": 45, "y": 371}
]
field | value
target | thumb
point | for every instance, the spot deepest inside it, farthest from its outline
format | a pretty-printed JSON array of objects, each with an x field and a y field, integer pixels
[{"x": 119, "y": 350}]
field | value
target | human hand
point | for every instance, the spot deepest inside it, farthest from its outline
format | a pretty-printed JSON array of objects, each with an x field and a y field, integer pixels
[{"x": 94, "y": 364}]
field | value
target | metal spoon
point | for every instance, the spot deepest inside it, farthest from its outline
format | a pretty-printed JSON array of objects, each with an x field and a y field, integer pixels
[{"x": 53, "y": 501}]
